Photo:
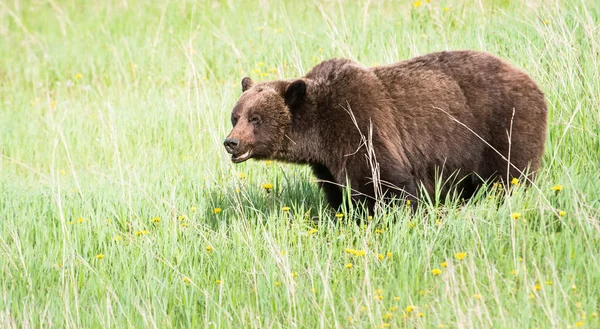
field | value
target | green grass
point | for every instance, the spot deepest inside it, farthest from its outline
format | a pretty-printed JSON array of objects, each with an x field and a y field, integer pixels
[{"x": 113, "y": 113}]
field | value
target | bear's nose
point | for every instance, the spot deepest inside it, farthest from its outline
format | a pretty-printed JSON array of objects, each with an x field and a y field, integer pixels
[{"x": 231, "y": 143}]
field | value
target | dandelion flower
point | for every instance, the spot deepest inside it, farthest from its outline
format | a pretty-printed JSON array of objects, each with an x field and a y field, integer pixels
[
  {"x": 277, "y": 283},
  {"x": 359, "y": 253},
  {"x": 294, "y": 275},
  {"x": 380, "y": 256},
  {"x": 339, "y": 215},
  {"x": 515, "y": 215},
  {"x": 370, "y": 218},
  {"x": 100, "y": 256},
  {"x": 184, "y": 225},
  {"x": 218, "y": 281},
  {"x": 187, "y": 280},
  {"x": 242, "y": 175},
  {"x": 384, "y": 325},
  {"x": 142, "y": 232},
  {"x": 537, "y": 287},
  {"x": 78, "y": 76},
  {"x": 393, "y": 308},
  {"x": 193, "y": 209},
  {"x": 155, "y": 220},
  {"x": 286, "y": 209},
  {"x": 417, "y": 4},
  {"x": 446, "y": 9},
  {"x": 579, "y": 324},
  {"x": 444, "y": 264},
  {"x": 312, "y": 231},
  {"x": 217, "y": 210},
  {"x": 378, "y": 297},
  {"x": 549, "y": 282},
  {"x": 267, "y": 186},
  {"x": 389, "y": 254},
  {"x": 396, "y": 298},
  {"x": 436, "y": 271},
  {"x": 387, "y": 316},
  {"x": 421, "y": 314},
  {"x": 209, "y": 248},
  {"x": 562, "y": 213},
  {"x": 515, "y": 181},
  {"x": 379, "y": 231},
  {"x": 477, "y": 296},
  {"x": 117, "y": 238},
  {"x": 409, "y": 309},
  {"x": 460, "y": 255},
  {"x": 557, "y": 188},
  {"x": 349, "y": 265}
]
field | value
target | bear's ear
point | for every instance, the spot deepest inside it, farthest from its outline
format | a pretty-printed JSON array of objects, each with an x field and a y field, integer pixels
[
  {"x": 246, "y": 83},
  {"x": 294, "y": 94}
]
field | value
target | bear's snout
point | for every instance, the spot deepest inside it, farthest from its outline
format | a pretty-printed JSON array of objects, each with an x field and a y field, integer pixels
[{"x": 231, "y": 144}]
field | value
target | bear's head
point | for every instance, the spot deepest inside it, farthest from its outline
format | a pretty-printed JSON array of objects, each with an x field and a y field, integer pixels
[{"x": 261, "y": 118}]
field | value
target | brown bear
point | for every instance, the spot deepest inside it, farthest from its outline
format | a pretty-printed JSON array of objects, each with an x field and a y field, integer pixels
[{"x": 456, "y": 117}]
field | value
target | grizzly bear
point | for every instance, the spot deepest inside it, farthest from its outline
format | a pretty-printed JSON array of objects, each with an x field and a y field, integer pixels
[{"x": 452, "y": 119}]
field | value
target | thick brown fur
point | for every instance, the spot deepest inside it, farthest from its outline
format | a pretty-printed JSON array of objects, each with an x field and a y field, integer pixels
[{"x": 442, "y": 115}]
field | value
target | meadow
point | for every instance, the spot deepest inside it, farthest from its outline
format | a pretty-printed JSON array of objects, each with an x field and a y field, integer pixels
[{"x": 119, "y": 207}]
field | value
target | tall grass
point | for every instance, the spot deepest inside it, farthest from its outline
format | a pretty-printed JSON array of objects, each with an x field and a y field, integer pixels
[{"x": 119, "y": 207}]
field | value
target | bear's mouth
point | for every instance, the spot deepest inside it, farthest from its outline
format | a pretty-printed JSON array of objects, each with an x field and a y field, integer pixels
[{"x": 241, "y": 157}]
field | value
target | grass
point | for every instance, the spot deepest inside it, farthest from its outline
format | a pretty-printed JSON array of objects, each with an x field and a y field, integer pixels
[{"x": 120, "y": 208}]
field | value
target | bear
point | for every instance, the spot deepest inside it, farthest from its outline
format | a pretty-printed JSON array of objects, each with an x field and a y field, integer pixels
[{"x": 463, "y": 118}]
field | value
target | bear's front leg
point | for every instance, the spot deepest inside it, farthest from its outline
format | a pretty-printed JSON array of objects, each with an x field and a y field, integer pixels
[{"x": 327, "y": 183}]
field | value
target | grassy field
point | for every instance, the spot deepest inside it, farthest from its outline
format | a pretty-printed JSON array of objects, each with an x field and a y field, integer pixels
[{"x": 119, "y": 207}]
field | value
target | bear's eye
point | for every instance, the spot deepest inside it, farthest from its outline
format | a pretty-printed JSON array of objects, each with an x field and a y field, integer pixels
[
  {"x": 234, "y": 121},
  {"x": 255, "y": 119}
]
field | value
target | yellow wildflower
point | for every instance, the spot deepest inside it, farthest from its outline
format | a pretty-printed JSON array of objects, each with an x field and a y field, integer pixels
[
  {"x": 349, "y": 265},
  {"x": 312, "y": 231},
  {"x": 460, "y": 255},
  {"x": 217, "y": 210},
  {"x": 380, "y": 256},
  {"x": 417, "y": 4},
  {"x": 515, "y": 215},
  {"x": 267, "y": 186},
  {"x": 277, "y": 283},
  {"x": 99, "y": 256},
  {"x": 378, "y": 297},
  {"x": 557, "y": 188},
  {"x": 286, "y": 209},
  {"x": 387, "y": 316},
  {"x": 294, "y": 275},
  {"x": 370, "y": 218},
  {"x": 409, "y": 309},
  {"x": 549, "y": 282},
  {"x": 477, "y": 296},
  {"x": 389, "y": 254},
  {"x": 393, "y": 308},
  {"x": 396, "y": 298},
  {"x": 515, "y": 181},
  {"x": 242, "y": 175},
  {"x": 78, "y": 76},
  {"x": 446, "y": 9},
  {"x": 339, "y": 215},
  {"x": 217, "y": 281},
  {"x": 378, "y": 231},
  {"x": 537, "y": 287},
  {"x": 209, "y": 248},
  {"x": 187, "y": 280},
  {"x": 142, "y": 232},
  {"x": 184, "y": 225},
  {"x": 579, "y": 324},
  {"x": 562, "y": 213},
  {"x": 421, "y": 314},
  {"x": 444, "y": 264},
  {"x": 155, "y": 220},
  {"x": 193, "y": 209},
  {"x": 436, "y": 271}
]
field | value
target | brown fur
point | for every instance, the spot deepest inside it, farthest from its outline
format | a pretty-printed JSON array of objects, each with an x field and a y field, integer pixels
[{"x": 445, "y": 114}]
